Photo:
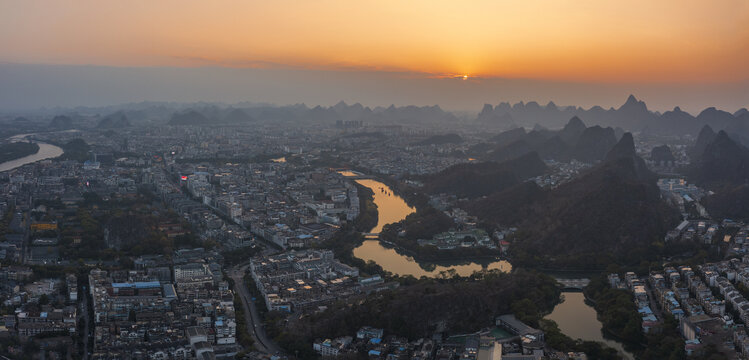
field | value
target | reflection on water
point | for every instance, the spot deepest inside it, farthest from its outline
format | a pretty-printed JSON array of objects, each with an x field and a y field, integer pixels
[
  {"x": 392, "y": 208},
  {"x": 349, "y": 173},
  {"x": 578, "y": 320},
  {"x": 46, "y": 151},
  {"x": 403, "y": 265}
]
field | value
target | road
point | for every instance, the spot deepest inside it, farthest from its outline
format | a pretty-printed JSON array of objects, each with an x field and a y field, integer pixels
[
  {"x": 83, "y": 295},
  {"x": 252, "y": 317}
]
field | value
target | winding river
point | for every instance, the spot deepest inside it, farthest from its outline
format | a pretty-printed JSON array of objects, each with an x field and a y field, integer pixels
[
  {"x": 46, "y": 151},
  {"x": 574, "y": 317},
  {"x": 392, "y": 208}
]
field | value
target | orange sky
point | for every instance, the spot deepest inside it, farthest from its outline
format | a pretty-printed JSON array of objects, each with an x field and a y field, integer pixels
[{"x": 692, "y": 41}]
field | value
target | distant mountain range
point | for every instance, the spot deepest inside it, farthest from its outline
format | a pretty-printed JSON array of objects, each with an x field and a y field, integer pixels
[
  {"x": 573, "y": 141},
  {"x": 341, "y": 112},
  {"x": 208, "y": 114},
  {"x": 633, "y": 115},
  {"x": 211, "y": 116}
]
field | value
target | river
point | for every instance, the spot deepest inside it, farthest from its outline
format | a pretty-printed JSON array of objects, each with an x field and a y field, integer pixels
[
  {"x": 392, "y": 208},
  {"x": 578, "y": 320},
  {"x": 574, "y": 317},
  {"x": 46, "y": 151}
]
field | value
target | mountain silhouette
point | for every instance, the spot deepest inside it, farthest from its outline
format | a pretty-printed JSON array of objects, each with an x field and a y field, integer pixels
[
  {"x": 61, "y": 122},
  {"x": 724, "y": 162},
  {"x": 189, "y": 117},
  {"x": 571, "y": 132},
  {"x": 479, "y": 179},
  {"x": 632, "y": 115},
  {"x": 573, "y": 141},
  {"x": 237, "y": 116},
  {"x": 117, "y": 120},
  {"x": 593, "y": 144},
  {"x": 613, "y": 210}
]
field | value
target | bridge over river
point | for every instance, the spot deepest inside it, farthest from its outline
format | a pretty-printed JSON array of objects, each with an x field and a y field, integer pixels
[
  {"x": 351, "y": 174},
  {"x": 573, "y": 284}
]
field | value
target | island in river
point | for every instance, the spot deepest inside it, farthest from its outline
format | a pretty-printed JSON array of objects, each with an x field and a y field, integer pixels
[
  {"x": 16, "y": 150},
  {"x": 391, "y": 208},
  {"x": 575, "y": 318},
  {"x": 43, "y": 151}
]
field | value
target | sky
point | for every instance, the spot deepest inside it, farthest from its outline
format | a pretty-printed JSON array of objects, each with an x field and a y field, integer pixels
[{"x": 459, "y": 54}]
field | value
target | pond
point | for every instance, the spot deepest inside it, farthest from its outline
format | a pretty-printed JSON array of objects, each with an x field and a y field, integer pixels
[{"x": 578, "y": 320}]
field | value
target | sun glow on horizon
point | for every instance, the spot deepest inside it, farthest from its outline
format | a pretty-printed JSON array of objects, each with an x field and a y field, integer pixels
[{"x": 578, "y": 40}]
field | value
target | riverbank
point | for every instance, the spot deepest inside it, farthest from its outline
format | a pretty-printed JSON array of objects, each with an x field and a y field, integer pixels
[
  {"x": 617, "y": 311},
  {"x": 16, "y": 150},
  {"x": 436, "y": 221},
  {"x": 573, "y": 318},
  {"x": 424, "y": 307},
  {"x": 405, "y": 266},
  {"x": 401, "y": 263},
  {"x": 368, "y": 214},
  {"x": 43, "y": 151},
  {"x": 390, "y": 208},
  {"x": 349, "y": 236},
  {"x": 445, "y": 256}
]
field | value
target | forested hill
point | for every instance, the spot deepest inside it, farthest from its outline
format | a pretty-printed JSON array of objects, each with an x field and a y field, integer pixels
[
  {"x": 574, "y": 141},
  {"x": 613, "y": 209},
  {"x": 478, "y": 179},
  {"x": 723, "y": 167},
  {"x": 417, "y": 310},
  {"x": 723, "y": 162}
]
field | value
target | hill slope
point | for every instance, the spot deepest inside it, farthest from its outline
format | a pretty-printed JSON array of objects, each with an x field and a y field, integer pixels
[
  {"x": 723, "y": 163},
  {"x": 479, "y": 179},
  {"x": 574, "y": 141},
  {"x": 117, "y": 120},
  {"x": 612, "y": 211}
]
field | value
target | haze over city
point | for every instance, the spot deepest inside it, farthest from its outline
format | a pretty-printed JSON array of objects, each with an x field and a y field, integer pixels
[
  {"x": 672, "y": 53},
  {"x": 374, "y": 180}
]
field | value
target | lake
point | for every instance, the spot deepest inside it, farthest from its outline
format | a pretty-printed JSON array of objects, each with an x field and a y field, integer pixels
[{"x": 578, "y": 320}]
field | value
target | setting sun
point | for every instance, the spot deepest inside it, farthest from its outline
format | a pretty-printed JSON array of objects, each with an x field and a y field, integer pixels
[
  {"x": 389, "y": 179},
  {"x": 542, "y": 39}
]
